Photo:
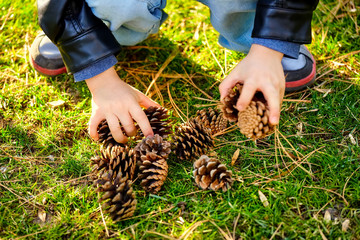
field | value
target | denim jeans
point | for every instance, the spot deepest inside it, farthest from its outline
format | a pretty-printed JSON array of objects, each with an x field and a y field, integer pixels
[{"x": 132, "y": 21}]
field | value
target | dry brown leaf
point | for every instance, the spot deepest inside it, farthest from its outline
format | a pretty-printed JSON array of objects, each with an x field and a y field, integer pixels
[
  {"x": 42, "y": 215},
  {"x": 263, "y": 199},
  {"x": 57, "y": 103},
  {"x": 345, "y": 225},
  {"x": 235, "y": 156},
  {"x": 303, "y": 147}
]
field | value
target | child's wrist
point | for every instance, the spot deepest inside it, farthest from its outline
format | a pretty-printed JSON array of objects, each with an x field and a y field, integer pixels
[
  {"x": 101, "y": 80},
  {"x": 265, "y": 52}
]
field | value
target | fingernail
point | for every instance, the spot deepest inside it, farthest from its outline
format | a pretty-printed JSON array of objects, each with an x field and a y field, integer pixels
[
  {"x": 274, "y": 120},
  {"x": 240, "y": 108}
]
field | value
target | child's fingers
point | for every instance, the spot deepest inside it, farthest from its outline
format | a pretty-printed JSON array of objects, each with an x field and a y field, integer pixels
[
  {"x": 225, "y": 86},
  {"x": 128, "y": 124},
  {"x": 140, "y": 117},
  {"x": 146, "y": 102},
  {"x": 246, "y": 96},
  {"x": 93, "y": 125},
  {"x": 272, "y": 97},
  {"x": 115, "y": 129}
]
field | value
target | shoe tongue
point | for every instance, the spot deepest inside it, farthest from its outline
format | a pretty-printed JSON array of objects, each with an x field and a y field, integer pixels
[{"x": 291, "y": 64}]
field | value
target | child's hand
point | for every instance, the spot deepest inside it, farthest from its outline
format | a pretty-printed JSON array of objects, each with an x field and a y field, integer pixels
[
  {"x": 114, "y": 100},
  {"x": 260, "y": 70}
]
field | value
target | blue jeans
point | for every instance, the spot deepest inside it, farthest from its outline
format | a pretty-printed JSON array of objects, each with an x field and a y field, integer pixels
[{"x": 132, "y": 21}]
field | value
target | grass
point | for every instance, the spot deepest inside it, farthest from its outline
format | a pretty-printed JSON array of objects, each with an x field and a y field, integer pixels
[{"x": 308, "y": 167}]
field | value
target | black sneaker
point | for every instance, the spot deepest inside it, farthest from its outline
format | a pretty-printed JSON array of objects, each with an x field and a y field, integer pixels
[
  {"x": 301, "y": 72},
  {"x": 45, "y": 57}
]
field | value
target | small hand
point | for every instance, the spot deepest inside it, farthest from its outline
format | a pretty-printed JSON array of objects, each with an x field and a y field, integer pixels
[
  {"x": 114, "y": 100},
  {"x": 260, "y": 70}
]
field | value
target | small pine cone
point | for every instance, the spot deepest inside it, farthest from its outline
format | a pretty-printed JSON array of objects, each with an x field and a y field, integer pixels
[
  {"x": 211, "y": 174},
  {"x": 159, "y": 121},
  {"x": 254, "y": 121},
  {"x": 151, "y": 154},
  {"x": 212, "y": 119},
  {"x": 114, "y": 159},
  {"x": 228, "y": 108},
  {"x": 154, "y": 144},
  {"x": 192, "y": 139},
  {"x": 118, "y": 198}
]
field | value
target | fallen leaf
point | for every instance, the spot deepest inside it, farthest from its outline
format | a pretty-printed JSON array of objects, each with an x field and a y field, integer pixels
[
  {"x": 327, "y": 216},
  {"x": 235, "y": 156},
  {"x": 263, "y": 199},
  {"x": 57, "y": 103},
  {"x": 345, "y": 225},
  {"x": 42, "y": 215}
]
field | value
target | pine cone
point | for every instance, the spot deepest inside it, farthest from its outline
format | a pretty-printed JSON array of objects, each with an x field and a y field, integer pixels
[
  {"x": 254, "y": 121},
  {"x": 105, "y": 135},
  {"x": 159, "y": 121},
  {"x": 118, "y": 198},
  {"x": 192, "y": 140},
  {"x": 211, "y": 174},
  {"x": 212, "y": 119},
  {"x": 115, "y": 159},
  {"x": 151, "y": 154},
  {"x": 228, "y": 108}
]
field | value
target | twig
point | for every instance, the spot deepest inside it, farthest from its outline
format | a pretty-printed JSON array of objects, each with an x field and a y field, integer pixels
[
  {"x": 212, "y": 53},
  {"x": 24, "y": 199},
  {"x": 323, "y": 207},
  {"x": 161, "y": 235},
  {"x": 188, "y": 231},
  {"x": 297, "y": 100},
  {"x": 328, "y": 190},
  {"x": 347, "y": 181},
  {"x": 189, "y": 80},
  {"x": 235, "y": 225},
  {"x": 176, "y": 108},
  {"x": 277, "y": 229},
  {"x": 226, "y": 236},
  {"x": 151, "y": 214},
  {"x": 31, "y": 234},
  {"x": 166, "y": 63},
  {"x": 103, "y": 219}
]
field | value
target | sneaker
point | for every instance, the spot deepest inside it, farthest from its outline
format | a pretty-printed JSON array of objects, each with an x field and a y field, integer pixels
[
  {"x": 301, "y": 72},
  {"x": 45, "y": 57}
]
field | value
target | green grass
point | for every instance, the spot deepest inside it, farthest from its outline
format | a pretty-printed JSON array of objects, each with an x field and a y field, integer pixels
[{"x": 45, "y": 150}]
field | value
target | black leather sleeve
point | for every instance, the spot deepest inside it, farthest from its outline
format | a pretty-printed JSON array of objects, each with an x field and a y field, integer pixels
[
  {"x": 287, "y": 20},
  {"x": 82, "y": 38}
]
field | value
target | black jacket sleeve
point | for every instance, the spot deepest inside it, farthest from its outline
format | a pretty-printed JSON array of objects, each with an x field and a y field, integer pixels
[
  {"x": 82, "y": 38},
  {"x": 287, "y": 20}
]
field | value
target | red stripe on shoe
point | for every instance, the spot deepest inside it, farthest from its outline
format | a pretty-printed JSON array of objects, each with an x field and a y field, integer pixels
[
  {"x": 48, "y": 72},
  {"x": 303, "y": 81}
]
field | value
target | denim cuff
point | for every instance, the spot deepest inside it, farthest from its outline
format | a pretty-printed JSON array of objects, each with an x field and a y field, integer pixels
[
  {"x": 95, "y": 69},
  {"x": 289, "y": 49}
]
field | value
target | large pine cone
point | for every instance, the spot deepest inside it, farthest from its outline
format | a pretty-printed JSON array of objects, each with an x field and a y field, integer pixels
[
  {"x": 118, "y": 198},
  {"x": 151, "y": 154},
  {"x": 115, "y": 159},
  {"x": 228, "y": 108},
  {"x": 211, "y": 174},
  {"x": 254, "y": 121},
  {"x": 159, "y": 121},
  {"x": 212, "y": 119},
  {"x": 192, "y": 139}
]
